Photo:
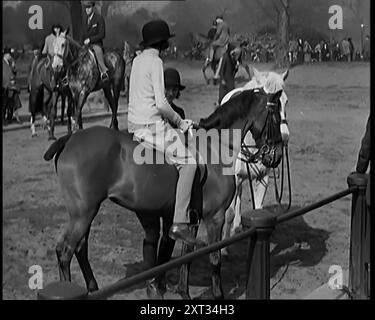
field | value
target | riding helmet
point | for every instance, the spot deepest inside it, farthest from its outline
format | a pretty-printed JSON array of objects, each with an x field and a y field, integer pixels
[
  {"x": 89, "y": 3},
  {"x": 154, "y": 32},
  {"x": 172, "y": 78}
]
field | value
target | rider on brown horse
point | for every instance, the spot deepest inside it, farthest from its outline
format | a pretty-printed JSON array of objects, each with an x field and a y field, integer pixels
[
  {"x": 94, "y": 34},
  {"x": 221, "y": 40},
  {"x": 150, "y": 116}
]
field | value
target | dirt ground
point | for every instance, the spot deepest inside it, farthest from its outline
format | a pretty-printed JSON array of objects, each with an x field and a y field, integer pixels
[{"x": 327, "y": 112}]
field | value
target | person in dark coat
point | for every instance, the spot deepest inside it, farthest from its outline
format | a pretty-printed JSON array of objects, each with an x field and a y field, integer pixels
[
  {"x": 363, "y": 161},
  {"x": 173, "y": 88},
  {"x": 228, "y": 71},
  {"x": 93, "y": 33},
  {"x": 11, "y": 91}
]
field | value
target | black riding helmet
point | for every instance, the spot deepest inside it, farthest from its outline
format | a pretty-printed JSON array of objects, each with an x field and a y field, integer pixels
[
  {"x": 154, "y": 32},
  {"x": 172, "y": 79}
]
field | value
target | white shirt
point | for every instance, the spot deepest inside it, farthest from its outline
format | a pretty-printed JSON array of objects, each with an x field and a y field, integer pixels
[{"x": 147, "y": 102}]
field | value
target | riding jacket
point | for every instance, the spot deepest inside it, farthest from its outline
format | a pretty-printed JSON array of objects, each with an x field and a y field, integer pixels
[
  {"x": 94, "y": 29},
  {"x": 222, "y": 35}
]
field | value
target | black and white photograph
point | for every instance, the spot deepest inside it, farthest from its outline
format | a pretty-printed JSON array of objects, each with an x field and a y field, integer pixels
[{"x": 209, "y": 151}]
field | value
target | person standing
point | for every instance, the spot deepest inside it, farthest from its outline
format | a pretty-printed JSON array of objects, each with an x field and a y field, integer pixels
[
  {"x": 34, "y": 62},
  {"x": 366, "y": 49},
  {"x": 345, "y": 45},
  {"x": 93, "y": 34},
  {"x": 351, "y": 49},
  {"x": 11, "y": 99}
]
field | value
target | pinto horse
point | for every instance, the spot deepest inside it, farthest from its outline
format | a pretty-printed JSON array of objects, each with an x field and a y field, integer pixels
[
  {"x": 149, "y": 189},
  {"x": 271, "y": 82},
  {"x": 83, "y": 76}
]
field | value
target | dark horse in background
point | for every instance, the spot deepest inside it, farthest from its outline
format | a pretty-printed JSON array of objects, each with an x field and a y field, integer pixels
[
  {"x": 36, "y": 95},
  {"x": 44, "y": 91},
  {"x": 149, "y": 189},
  {"x": 83, "y": 76},
  {"x": 203, "y": 44}
]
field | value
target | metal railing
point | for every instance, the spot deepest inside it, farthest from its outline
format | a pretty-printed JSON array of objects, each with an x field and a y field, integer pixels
[{"x": 259, "y": 225}]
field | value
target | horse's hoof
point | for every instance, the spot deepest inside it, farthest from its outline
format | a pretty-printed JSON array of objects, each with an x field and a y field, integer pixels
[
  {"x": 52, "y": 138},
  {"x": 34, "y": 135},
  {"x": 153, "y": 292}
]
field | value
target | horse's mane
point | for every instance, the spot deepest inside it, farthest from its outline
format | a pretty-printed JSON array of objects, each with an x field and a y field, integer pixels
[
  {"x": 224, "y": 116},
  {"x": 272, "y": 82}
]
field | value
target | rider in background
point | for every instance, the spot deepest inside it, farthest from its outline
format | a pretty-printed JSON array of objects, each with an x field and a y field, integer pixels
[
  {"x": 93, "y": 34},
  {"x": 11, "y": 99},
  {"x": 149, "y": 118},
  {"x": 228, "y": 71},
  {"x": 48, "y": 42},
  {"x": 364, "y": 158},
  {"x": 173, "y": 88},
  {"x": 221, "y": 39},
  {"x": 212, "y": 32}
]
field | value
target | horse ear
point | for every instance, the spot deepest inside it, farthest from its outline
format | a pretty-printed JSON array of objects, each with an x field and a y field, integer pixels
[
  {"x": 285, "y": 75},
  {"x": 274, "y": 97}
]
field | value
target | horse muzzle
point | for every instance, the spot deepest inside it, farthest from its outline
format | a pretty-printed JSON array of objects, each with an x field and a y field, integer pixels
[{"x": 272, "y": 156}]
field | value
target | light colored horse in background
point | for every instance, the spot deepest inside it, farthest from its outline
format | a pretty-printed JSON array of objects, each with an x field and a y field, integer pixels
[{"x": 271, "y": 82}]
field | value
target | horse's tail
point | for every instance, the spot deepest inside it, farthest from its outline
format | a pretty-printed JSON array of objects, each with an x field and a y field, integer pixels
[{"x": 56, "y": 148}]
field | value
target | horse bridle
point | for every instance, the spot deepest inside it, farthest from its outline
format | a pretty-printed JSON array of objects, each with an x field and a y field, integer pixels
[
  {"x": 251, "y": 157},
  {"x": 65, "y": 80},
  {"x": 265, "y": 148}
]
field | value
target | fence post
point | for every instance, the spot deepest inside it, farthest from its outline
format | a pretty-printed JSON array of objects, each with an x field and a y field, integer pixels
[
  {"x": 359, "y": 260},
  {"x": 62, "y": 290},
  {"x": 258, "y": 259}
]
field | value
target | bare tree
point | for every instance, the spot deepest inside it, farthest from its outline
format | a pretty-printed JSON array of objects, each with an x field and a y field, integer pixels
[
  {"x": 75, "y": 9},
  {"x": 283, "y": 36},
  {"x": 279, "y": 13}
]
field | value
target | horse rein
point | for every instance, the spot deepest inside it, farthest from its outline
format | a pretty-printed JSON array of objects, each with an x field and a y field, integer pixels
[
  {"x": 251, "y": 157},
  {"x": 65, "y": 80}
]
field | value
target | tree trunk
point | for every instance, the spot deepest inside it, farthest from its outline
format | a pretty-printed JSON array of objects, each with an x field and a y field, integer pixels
[
  {"x": 283, "y": 36},
  {"x": 75, "y": 8}
]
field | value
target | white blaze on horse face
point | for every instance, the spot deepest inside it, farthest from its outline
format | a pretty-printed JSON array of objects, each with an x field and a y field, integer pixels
[
  {"x": 271, "y": 82},
  {"x": 58, "y": 51}
]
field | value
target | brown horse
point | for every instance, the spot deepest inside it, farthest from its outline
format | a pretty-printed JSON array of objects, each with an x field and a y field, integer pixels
[
  {"x": 98, "y": 163},
  {"x": 83, "y": 76}
]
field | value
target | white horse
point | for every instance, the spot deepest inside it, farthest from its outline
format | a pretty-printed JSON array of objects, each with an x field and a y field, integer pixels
[{"x": 271, "y": 82}]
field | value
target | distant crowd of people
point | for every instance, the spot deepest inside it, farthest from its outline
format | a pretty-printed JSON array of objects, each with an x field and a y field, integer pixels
[{"x": 300, "y": 51}]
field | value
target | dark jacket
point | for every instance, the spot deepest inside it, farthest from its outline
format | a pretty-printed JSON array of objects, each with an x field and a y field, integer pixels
[
  {"x": 364, "y": 157},
  {"x": 179, "y": 110},
  {"x": 95, "y": 30},
  {"x": 227, "y": 73}
]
